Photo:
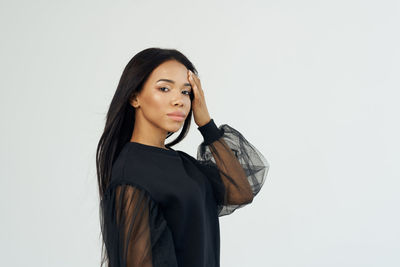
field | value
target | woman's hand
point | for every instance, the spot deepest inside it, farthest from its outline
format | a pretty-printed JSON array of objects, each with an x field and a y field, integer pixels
[{"x": 199, "y": 107}]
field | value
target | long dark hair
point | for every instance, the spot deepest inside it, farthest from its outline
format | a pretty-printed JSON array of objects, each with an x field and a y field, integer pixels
[{"x": 120, "y": 118}]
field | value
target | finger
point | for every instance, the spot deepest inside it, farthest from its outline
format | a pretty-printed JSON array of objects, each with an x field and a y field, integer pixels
[
  {"x": 194, "y": 85},
  {"x": 195, "y": 80}
]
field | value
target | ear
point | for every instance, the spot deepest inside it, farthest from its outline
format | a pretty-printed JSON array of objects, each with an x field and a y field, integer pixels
[{"x": 134, "y": 101}]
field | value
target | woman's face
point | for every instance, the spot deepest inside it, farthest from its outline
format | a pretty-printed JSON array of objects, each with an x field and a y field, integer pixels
[{"x": 166, "y": 90}]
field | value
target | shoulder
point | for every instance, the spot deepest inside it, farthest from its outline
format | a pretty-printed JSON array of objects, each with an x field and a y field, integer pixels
[
  {"x": 203, "y": 166},
  {"x": 183, "y": 153},
  {"x": 188, "y": 157},
  {"x": 128, "y": 184}
]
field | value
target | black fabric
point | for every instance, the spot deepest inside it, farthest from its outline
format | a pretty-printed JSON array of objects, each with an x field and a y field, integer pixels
[
  {"x": 162, "y": 206},
  {"x": 226, "y": 151}
]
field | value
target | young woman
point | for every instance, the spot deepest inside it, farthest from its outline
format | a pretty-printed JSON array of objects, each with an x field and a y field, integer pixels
[{"x": 160, "y": 206}]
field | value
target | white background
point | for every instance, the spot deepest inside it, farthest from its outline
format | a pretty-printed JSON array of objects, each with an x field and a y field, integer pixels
[{"x": 314, "y": 85}]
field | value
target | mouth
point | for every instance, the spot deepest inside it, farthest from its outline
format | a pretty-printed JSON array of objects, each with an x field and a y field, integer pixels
[{"x": 176, "y": 117}]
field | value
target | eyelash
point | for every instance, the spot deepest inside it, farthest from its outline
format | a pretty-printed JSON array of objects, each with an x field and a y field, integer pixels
[{"x": 189, "y": 92}]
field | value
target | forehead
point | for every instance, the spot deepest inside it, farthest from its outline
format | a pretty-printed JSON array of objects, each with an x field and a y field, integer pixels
[{"x": 170, "y": 69}]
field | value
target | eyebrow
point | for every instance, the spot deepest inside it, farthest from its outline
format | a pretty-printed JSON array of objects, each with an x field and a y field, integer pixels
[{"x": 173, "y": 82}]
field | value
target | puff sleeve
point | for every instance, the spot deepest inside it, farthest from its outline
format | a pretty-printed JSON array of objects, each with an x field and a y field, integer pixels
[
  {"x": 235, "y": 168},
  {"x": 134, "y": 230}
]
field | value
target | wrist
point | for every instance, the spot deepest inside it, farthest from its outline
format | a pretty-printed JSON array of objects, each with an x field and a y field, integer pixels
[{"x": 210, "y": 132}]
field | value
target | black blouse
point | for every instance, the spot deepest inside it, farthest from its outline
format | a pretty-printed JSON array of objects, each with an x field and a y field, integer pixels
[{"x": 161, "y": 207}]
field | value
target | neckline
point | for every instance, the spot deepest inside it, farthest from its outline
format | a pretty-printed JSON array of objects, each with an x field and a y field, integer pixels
[{"x": 156, "y": 149}]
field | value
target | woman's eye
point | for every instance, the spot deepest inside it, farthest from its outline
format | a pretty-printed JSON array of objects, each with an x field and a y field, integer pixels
[{"x": 186, "y": 91}]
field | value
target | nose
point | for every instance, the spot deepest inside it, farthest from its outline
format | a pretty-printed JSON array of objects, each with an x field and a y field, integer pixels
[{"x": 178, "y": 99}]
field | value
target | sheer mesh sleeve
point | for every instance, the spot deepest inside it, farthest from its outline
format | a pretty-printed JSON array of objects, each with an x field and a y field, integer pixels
[
  {"x": 235, "y": 168},
  {"x": 134, "y": 230}
]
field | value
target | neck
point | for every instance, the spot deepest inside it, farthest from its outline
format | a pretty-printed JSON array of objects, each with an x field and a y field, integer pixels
[{"x": 146, "y": 133}]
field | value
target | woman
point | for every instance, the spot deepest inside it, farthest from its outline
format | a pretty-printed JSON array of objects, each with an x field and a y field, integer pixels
[{"x": 160, "y": 206}]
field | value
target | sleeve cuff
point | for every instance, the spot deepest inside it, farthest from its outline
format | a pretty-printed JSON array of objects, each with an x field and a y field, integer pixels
[{"x": 210, "y": 132}]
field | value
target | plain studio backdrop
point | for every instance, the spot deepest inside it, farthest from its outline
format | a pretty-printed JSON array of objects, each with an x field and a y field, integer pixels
[{"x": 314, "y": 85}]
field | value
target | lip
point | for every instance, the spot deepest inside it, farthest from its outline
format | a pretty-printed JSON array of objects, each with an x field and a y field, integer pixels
[
  {"x": 177, "y": 113},
  {"x": 177, "y": 116}
]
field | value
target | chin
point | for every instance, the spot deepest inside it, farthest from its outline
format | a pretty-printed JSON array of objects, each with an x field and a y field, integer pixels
[{"x": 175, "y": 128}]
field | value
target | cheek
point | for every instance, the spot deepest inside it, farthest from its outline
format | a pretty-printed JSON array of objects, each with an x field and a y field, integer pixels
[
  {"x": 188, "y": 105},
  {"x": 157, "y": 101},
  {"x": 154, "y": 106},
  {"x": 156, "y": 98},
  {"x": 157, "y": 105}
]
